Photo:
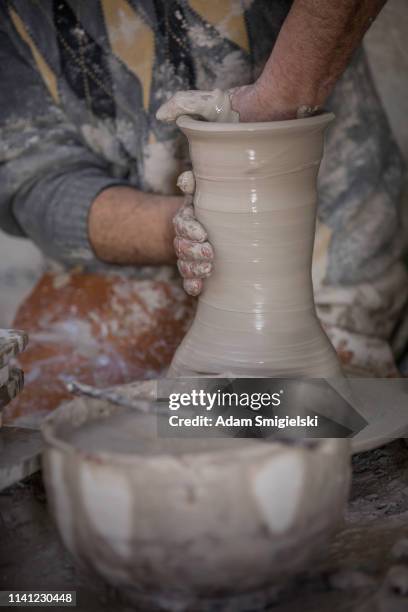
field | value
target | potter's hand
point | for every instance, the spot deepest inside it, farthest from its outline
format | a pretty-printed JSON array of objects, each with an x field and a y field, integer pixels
[
  {"x": 210, "y": 105},
  {"x": 239, "y": 104},
  {"x": 194, "y": 252}
]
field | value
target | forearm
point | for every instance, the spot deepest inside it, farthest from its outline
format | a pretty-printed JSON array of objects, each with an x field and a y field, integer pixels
[
  {"x": 129, "y": 227},
  {"x": 312, "y": 50}
]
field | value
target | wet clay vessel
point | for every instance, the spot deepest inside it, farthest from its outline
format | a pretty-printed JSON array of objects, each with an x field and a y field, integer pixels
[
  {"x": 179, "y": 524},
  {"x": 256, "y": 197}
]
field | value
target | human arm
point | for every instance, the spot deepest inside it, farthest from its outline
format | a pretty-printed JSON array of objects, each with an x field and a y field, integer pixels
[
  {"x": 129, "y": 227},
  {"x": 48, "y": 178},
  {"x": 314, "y": 46},
  {"x": 59, "y": 192}
]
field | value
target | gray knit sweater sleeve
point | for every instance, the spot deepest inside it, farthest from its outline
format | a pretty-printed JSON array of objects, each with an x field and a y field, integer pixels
[{"x": 48, "y": 177}]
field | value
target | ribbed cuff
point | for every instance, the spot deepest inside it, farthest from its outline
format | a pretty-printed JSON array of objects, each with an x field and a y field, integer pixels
[
  {"x": 55, "y": 214},
  {"x": 70, "y": 228}
]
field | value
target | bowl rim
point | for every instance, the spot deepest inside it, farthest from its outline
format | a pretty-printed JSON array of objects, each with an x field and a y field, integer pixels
[{"x": 53, "y": 441}]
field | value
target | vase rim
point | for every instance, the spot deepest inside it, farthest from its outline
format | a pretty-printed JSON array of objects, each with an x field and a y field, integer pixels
[{"x": 197, "y": 125}]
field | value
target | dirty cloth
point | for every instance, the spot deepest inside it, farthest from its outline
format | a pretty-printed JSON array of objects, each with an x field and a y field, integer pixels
[{"x": 83, "y": 81}]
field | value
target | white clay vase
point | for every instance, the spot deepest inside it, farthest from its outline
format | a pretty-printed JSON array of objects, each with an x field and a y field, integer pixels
[{"x": 256, "y": 193}]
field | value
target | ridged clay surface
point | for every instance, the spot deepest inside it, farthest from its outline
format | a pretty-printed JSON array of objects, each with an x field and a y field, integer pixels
[{"x": 256, "y": 196}]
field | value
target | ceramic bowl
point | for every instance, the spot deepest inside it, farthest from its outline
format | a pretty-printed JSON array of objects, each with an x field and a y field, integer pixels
[{"x": 194, "y": 520}]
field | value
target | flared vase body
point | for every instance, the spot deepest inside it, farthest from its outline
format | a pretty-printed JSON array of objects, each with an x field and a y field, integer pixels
[{"x": 256, "y": 196}]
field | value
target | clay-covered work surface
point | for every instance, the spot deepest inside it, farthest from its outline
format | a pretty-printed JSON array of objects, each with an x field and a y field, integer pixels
[
  {"x": 99, "y": 330},
  {"x": 350, "y": 577}
]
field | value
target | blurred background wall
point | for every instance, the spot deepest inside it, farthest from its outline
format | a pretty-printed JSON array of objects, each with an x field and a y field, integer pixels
[{"x": 21, "y": 263}]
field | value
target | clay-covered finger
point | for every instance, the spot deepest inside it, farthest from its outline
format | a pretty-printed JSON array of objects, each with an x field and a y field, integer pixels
[
  {"x": 186, "y": 182},
  {"x": 193, "y": 251},
  {"x": 186, "y": 226},
  {"x": 185, "y": 103},
  {"x": 186, "y": 210},
  {"x": 210, "y": 105},
  {"x": 193, "y": 286},
  {"x": 194, "y": 269}
]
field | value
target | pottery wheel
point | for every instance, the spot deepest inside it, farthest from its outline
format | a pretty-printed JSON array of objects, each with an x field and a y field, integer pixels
[{"x": 384, "y": 405}]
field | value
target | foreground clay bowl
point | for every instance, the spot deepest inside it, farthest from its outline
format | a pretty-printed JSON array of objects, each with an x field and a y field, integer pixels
[{"x": 191, "y": 521}]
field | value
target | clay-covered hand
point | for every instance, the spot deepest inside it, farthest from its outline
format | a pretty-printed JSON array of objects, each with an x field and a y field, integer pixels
[
  {"x": 194, "y": 252},
  {"x": 210, "y": 105},
  {"x": 248, "y": 103}
]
